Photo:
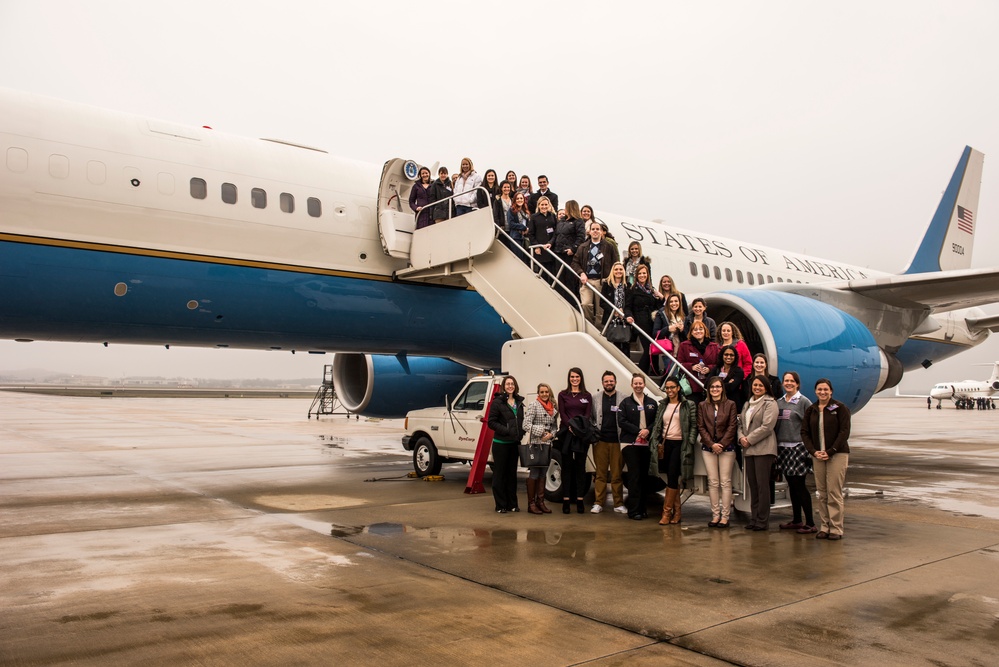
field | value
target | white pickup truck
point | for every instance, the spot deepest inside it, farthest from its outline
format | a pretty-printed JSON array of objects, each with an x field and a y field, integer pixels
[{"x": 450, "y": 433}]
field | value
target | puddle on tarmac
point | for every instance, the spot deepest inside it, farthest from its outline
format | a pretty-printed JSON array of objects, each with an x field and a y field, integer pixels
[{"x": 462, "y": 538}]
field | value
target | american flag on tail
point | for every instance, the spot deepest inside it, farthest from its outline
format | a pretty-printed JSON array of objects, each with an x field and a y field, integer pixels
[{"x": 965, "y": 220}]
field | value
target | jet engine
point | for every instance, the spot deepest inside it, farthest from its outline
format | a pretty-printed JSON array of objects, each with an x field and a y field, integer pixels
[
  {"x": 383, "y": 385},
  {"x": 813, "y": 338}
]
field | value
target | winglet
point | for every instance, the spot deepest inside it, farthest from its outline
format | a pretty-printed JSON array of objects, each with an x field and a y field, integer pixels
[{"x": 950, "y": 238}]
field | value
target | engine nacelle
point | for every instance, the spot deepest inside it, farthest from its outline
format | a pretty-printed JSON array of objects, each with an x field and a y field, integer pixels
[
  {"x": 813, "y": 338},
  {"x": 383, "y": 385}
]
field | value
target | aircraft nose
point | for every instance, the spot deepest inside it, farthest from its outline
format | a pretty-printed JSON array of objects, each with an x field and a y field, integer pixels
[{"x": 941, "y": 393}]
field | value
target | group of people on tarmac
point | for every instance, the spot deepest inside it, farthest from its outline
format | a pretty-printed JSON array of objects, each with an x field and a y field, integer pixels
[
  {"x": 730, "y": 408},
  {"x": 630, "y": 430},
  {"x": 979, "y": 403}
]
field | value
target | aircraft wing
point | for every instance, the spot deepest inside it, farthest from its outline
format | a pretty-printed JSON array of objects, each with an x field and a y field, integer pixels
[{"x": 941, "y": 291}]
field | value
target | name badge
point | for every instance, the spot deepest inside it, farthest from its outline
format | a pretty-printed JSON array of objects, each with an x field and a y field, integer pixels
[
  {"x": 784, "y": 414},
  {"x": 583, "y": 400},
  {"x": 641, "y": 407},
  {"x": 600, "y": 255},
  {"x": 614, "y": 408},
  {"x": 693, "y": 354},
  {"x": 550, "y": 230}
]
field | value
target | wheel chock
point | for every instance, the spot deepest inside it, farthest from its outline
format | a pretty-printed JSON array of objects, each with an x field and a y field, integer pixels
[{"x": 434, "y": 478}]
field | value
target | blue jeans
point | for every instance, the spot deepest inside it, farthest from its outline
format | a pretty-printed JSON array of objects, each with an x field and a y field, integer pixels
[{"x": 462, "y": 210}]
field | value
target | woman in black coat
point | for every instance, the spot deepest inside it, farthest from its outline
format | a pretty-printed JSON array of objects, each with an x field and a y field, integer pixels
[
  {"x": 541, "y": 231},
  {"x": 640, "y": 301},
  {"x": 506, "y": 419}
]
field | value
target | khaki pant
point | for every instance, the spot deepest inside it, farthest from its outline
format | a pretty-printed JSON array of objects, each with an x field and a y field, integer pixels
[
  {"x": 592, "y": 309},
  {"x": 607, "y": 456},
  {"x": 830, "y": 480},
  {"x": 719, "y": 469}
]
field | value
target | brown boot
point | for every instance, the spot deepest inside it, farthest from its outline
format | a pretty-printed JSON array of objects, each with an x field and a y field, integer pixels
[
  {"x": 539, "y": 499},
  {"x": 532, "y": 495},
  {"x": 668, "y": 507},
  {"x": 676, "y": 506}
]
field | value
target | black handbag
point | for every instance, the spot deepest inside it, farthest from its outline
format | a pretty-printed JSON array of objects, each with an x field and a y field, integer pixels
[
  {"x": 618, "y": 331},
  {"x": 535, "y": 455}
]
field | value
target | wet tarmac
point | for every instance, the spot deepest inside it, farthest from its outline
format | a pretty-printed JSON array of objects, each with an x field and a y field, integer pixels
[{"x": 225, "y": 531}]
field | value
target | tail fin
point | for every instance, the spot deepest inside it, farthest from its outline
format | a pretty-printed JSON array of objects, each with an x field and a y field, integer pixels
[
  {"x": 950, "y": 238},
  {"x": 994, "y": 380}
]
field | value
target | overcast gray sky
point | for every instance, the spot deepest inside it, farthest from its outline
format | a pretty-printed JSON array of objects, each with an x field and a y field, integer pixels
[{"x": 829, "y": 129}]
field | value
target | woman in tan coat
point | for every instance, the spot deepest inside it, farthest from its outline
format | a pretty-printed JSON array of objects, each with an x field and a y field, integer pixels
[{"x": 759, "y": 443}]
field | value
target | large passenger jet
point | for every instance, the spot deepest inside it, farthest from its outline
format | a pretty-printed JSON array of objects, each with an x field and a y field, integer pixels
[{"x": 120, "y": 229}]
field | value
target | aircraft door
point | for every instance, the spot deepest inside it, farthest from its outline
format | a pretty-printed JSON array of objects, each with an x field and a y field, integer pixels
[{"x": 396, "y": 221}]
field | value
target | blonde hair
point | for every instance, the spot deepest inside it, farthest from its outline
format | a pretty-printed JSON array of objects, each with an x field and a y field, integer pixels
[
  {"x": 572, "y": 209},
  {"x": 610, "y": 278}
]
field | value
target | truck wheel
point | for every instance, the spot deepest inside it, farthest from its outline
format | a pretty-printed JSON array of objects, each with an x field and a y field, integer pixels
[
  {"x": 553, "y": 477},
  {"x": 426, "y": 461}
]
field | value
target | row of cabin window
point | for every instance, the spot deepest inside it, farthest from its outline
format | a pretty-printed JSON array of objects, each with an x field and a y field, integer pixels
[
  {"x": 751, "y": 278},
  {"x": 258, "y": 197}
]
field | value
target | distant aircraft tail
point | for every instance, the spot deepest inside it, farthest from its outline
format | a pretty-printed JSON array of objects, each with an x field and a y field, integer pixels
[
  {"x": 994, "y": 380},
  {"x": 950, "y": 238}
]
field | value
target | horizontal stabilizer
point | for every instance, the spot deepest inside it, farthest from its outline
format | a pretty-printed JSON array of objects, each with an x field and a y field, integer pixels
[
  {"x": 990, "y": 323},
  {"x": 940, "y": 291}
]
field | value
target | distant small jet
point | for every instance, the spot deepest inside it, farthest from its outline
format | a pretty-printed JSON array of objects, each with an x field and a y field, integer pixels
[{"x": 967, "y": 389}]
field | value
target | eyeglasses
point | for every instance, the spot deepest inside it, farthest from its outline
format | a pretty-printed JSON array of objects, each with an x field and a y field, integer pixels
[{"x": 672, "y": 388}]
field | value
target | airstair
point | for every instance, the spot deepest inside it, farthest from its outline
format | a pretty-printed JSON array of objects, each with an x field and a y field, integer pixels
[{"x": 551, "y": 334}]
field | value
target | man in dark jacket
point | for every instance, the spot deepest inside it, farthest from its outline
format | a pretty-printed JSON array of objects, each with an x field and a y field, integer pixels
[
  {"x": 592, "y": 262},
  {"x": 543, "y": 191}
]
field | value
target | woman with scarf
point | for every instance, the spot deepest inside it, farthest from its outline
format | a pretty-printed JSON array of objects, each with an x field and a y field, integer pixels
[
  {"x": 792, "y": 457},
  {"x": 506, "y": 415},
  {"x": 614, "y": 290},
  {"x": 540, "y": 422},
  {"x": 674, "y": 433},
  {"x": 640, "y": 301},
  {"x": 717, "y": 423},
  {"x": 759, "y": 443},
  {"x": 634, "y": 260},
  {"x": 573, "y": 401},
  {"x": 698, "y": 354}
]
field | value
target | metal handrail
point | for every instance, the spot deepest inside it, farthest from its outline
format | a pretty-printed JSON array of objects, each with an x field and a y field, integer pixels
[
  {"x": 616, "y": 310},
  {"x": 640, "y": 332},
  {"x": 540, "y": 269},
  {"x": 417, "y": 214}
]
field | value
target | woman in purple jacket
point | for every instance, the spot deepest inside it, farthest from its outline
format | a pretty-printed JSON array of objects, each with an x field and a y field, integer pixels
[{"x": 419, "y": 197}]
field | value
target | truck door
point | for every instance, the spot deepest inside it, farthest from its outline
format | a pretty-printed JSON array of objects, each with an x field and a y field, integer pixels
[{"x": 461, "y": 430}]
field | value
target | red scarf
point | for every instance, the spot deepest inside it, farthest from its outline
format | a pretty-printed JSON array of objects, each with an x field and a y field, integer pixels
[{"x": 549, "y": 407}]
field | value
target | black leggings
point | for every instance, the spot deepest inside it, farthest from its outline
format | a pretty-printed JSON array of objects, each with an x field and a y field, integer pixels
[
  {"x": 670, "y": 462},
  {"x": 801, "y": 499}
]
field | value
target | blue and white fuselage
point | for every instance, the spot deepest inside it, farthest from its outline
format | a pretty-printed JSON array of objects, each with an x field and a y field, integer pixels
[{"x": 122, "y": 229}]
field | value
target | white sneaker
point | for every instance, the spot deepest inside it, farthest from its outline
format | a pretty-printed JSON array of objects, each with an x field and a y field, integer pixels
[
  {"x": 621, "y": 509},
  {"x": 596, "y": 509}
]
